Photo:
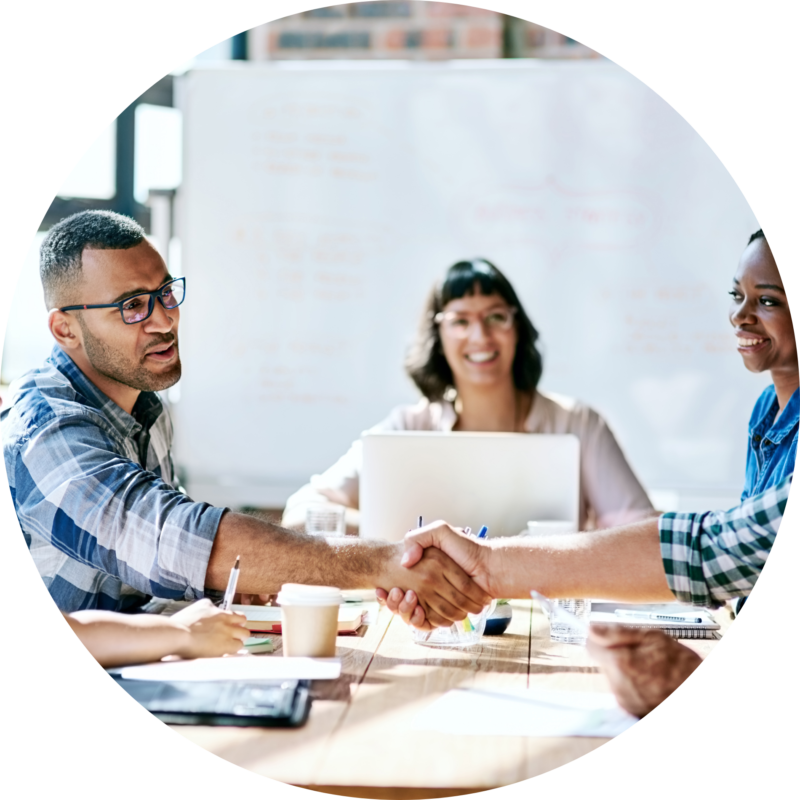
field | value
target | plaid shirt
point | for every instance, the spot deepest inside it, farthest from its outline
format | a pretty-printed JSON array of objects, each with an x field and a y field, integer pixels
[
  {"x": 94, "y": 491},
  {"x": 712, "y": 557}
]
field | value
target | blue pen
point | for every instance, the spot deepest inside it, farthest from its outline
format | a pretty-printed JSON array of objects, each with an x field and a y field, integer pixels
[{"x": 482, "y": 532}]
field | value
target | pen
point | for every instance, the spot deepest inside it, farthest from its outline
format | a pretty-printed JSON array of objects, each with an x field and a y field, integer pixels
[
  {"x": 621, "y": 612},
  {"x": 419, "y": 521},
  {"x": 231, "y": 590},
  {"x": 482, "y": 532}
]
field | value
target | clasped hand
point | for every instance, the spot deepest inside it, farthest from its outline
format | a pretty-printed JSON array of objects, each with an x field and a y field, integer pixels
[{"x": 446, "y": 575}]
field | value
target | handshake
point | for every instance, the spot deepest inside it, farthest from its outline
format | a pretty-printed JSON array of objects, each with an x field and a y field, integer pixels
[
  {"x": 449, "y": 574},
  {"x": 455, "y": 574}
]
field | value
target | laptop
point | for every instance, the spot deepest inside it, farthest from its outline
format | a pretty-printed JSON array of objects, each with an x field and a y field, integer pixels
[{"x": 500, "y": 480}]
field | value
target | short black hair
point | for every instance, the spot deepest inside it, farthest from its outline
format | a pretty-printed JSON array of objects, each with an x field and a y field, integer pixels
[
  {"x": 426, "y": 364},
  {"x": 62, "y": 247},
  {"x": 759, "y": 234}
]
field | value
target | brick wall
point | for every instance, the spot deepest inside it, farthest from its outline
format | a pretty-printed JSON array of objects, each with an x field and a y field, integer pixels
[{"x": 407, "y": 29}]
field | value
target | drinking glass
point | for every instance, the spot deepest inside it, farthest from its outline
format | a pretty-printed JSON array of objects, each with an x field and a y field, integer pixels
[
  {"x": 569, "y": 619},
  {"x": 325, "y": 519},
  {"x": 460, "y": 634}
]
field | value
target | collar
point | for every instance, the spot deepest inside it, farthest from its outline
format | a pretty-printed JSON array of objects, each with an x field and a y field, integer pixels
[
  {"x": 146, "y": 410},
  {"x": 788, "y": 420}
]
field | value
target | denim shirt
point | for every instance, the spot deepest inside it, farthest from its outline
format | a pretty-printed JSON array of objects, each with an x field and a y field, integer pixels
[{"x": 772, "y": 446}]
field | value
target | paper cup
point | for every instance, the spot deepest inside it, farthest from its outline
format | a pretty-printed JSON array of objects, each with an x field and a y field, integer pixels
[{"x": 309, "y": 619}]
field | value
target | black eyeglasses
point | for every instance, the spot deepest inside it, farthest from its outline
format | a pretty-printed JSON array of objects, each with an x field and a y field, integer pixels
[{"x": 140, "y": 306}]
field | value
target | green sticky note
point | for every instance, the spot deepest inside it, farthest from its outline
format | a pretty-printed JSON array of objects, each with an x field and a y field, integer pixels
[{"x": 259, "y": 644}]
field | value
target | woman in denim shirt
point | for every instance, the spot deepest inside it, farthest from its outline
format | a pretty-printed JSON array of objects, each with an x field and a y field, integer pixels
[{"x": 760, "y": 314}]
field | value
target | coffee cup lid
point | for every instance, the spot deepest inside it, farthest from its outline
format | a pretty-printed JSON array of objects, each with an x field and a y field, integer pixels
[{"x": 299, "y": 594}]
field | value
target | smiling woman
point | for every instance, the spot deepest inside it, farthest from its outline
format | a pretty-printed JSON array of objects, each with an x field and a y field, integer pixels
[
  {"x": 477, "y": 366},
  {"x": 765, "y": 335}
]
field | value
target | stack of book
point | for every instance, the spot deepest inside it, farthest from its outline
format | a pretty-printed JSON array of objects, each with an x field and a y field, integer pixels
[{"x": 267, "y": 619}]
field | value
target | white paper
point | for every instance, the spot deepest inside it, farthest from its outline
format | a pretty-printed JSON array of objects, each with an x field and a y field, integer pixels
[
  {"x": 273, "y": 613},
  {"x": 525, "y": 712},
  {"x": 236, "y": 668},
  {"x": 258, "y": 613}
]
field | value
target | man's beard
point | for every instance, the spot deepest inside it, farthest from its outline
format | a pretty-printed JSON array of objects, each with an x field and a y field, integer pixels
[{"x": 112, "y": 365}]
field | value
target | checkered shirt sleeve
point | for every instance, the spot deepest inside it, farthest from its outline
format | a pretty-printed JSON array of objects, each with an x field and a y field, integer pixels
[{"x": 714, "y": 556}]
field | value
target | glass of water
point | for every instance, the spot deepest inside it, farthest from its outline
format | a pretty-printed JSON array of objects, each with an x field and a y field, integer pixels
[
  {"x": 563, "y": 628},
  {"x": 569, "y": 619},
  {"x": 325, "y": 519}
]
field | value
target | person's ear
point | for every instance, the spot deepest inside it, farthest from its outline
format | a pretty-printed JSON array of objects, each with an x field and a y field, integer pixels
[{"x": 65, "y": 329}]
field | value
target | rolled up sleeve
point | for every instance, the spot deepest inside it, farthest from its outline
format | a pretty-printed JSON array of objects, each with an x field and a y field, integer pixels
[{"x": 712, "y": 557}]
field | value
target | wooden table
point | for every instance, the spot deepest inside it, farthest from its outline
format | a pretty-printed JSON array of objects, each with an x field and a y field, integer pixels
[{"x": 359, "y": 739}]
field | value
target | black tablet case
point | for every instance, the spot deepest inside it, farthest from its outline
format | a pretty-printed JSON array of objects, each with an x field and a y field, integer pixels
[{"x": 242, "y": 703}]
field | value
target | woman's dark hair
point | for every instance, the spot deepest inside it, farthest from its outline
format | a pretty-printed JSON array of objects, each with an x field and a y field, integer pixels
[
  {"x": 759, "y": 234},
  {"x": 426, "y": 364}
]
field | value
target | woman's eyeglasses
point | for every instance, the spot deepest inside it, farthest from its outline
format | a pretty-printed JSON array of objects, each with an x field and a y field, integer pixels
[
  {"x": 140, "y": 306},
  {"x": 459, "y": 323}
]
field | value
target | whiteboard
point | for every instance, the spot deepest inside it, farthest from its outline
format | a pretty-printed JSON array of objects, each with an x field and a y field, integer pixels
[{"x": 320, "y": 201}]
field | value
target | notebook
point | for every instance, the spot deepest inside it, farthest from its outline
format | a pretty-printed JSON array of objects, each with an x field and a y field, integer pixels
[{"x": 674, "y": 618}]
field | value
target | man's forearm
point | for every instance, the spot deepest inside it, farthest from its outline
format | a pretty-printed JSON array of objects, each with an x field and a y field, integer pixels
[
  {"x": 271, "y": 556},
  {"x": 618, "y": 564}
]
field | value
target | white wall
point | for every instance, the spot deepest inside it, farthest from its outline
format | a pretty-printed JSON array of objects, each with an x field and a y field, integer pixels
[
  {"x": 320, "y": 201},
  {"x": 28, "y": 341}
]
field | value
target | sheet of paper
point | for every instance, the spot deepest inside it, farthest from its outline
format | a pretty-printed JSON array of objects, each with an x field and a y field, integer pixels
[
  {"x": 259, "y": 613},
  {"x": 236, "y": 668},
  {"x": 526, "y": 712}
]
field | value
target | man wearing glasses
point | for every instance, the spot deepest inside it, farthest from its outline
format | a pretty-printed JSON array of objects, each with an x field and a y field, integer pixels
[{"x": 87, "y": 444}]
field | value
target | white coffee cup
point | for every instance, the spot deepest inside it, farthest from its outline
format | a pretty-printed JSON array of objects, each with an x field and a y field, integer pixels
[
  {"x": 551, "y": 527},
  {"x": 309, "y": 619}
]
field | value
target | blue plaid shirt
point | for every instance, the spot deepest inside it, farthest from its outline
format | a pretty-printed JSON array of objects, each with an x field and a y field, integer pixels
[
  {"x": 712, "y": 557},
  {"x": 94, "y": 491}
]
